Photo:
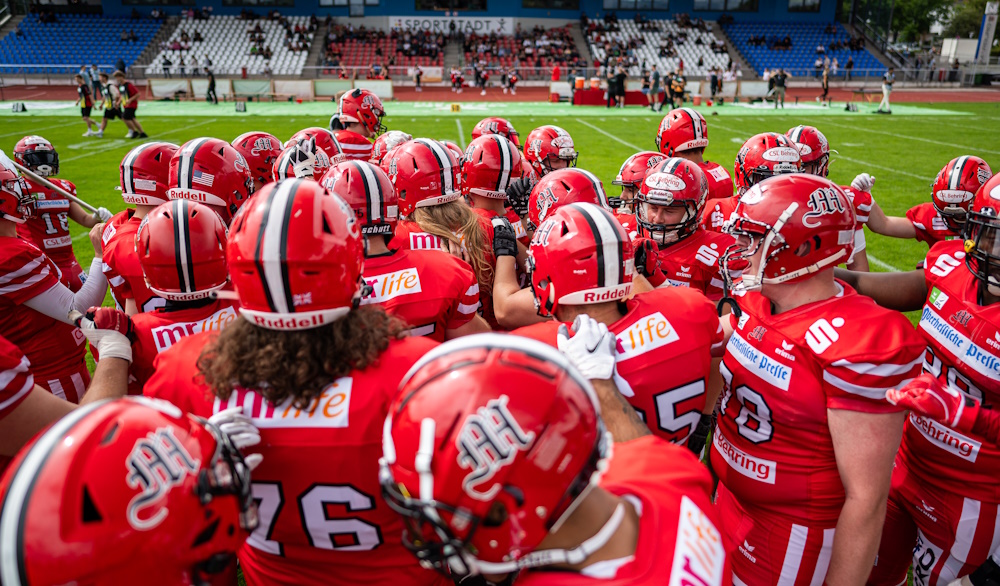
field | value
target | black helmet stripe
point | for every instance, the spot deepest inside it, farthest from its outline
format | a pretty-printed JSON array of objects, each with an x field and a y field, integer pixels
[
  {"x": 182, "y": 245},
  {"x": 444, "y": 163},
  {"x": 506, "y": 158},
  {"x": 271, "y": 247},
  {"x": 610, "y": 248},
  {"x": 374, "y": 201}
]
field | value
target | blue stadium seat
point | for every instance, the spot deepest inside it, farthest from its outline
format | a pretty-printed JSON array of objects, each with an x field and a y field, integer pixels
[{"x": 801, "y": 57}]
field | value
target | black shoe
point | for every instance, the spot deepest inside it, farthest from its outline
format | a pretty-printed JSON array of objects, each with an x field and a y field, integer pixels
[{"x": 143, "y": 135}]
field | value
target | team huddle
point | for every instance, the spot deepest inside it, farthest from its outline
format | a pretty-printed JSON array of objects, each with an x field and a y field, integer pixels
[{"x": 360, "y": 357}]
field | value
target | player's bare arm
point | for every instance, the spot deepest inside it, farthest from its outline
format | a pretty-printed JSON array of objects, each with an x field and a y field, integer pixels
[{"x": 900, "y": 291}]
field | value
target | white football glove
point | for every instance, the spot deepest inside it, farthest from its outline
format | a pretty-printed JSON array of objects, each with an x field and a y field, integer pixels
[
  {"x": 863, "y": 182},
  {"x": 304, "y": 158},
  {"x": 102, "y": 214},
  {"x": 591, "y": 349},
  {"x": 241, "y": 431}
]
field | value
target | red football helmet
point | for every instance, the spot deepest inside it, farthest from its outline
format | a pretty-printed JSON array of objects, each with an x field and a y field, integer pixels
[
  {"x": 212, "y": 172},
  {"x": 368, "y": 191},
  {"x": 682, "y": 129},
  {"x": 491, "y": 443},
  {"x": 496, "y": 125},
  {"x": 284, "y": 166},
  {"x": 672, "y": 183},
  {"x": 489, "y": 166},
  {"x": 956, "y": 186},
  {"x": 16, "y": 203},
  {"x": 801, "y": 224},
  {"x": 144, "y": 174},
  {"x": 813, "y": 148},
  {"x": 580, "y": 255},
  {"x": 982, "y": 236},
  {"x": 386, "y": 142},
  {"x": 455, "y": 149},
  {"x": 765, "y": 155},
  {"x": 182, "y": 250},
  {"x": 128, "y": 491},
  {"x": 424, "y": 173},
  {"x": 631, "y": 174},
  {"x": 562, "y": 187},
  {"x": 295, "y": 256},
  {"x": 37, "y": 154},
  {"x": 354, "y": 145},
  {"x": 363, "y": 107},
  {"x": 260, "y": 150},
  {"x": 325, "y": 140},
  {"x": 547, "y": 143}
]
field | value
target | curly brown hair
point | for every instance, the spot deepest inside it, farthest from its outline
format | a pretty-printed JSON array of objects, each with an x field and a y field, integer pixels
[{"x": 299, "y": 364}]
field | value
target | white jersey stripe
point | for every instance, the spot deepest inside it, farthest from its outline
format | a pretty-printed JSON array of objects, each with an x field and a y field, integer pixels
[
  {"x": 608, "y": 244},
  {"x": 881, "y": 370},
  {"x": 30, "y": 281},
  {"x": 467, "y": 309},
  {"x": 7, "y": 376},
  {"x": 823, "y": 561},
  {"x": 473, "y": 290},
  {"x": 793, "y": 555},
  {"x": 27, "y": 268},
  {"x": 877, "y": 394}
]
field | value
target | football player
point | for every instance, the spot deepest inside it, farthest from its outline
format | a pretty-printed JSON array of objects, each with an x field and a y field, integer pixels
[
  {"x": 355, "y": 146},
  {"x": 325, "y": 140},
  {"x": 181, "y": 248},
  {"x": 211, "y": 172},
  {"x": 34, "y": 303},
  {"x": 316, "y": 373},
  {"x": 48, "y": 228},
  {"x": 434, "y": 292},
  {"x": 581, "y": 263},
  {"x": 385, "y": 143},
  {"x": 360, "y": 112},
  {"x": 761, "y": 156},
  {"x": 671, "y": 248},
  {"x": 260, "y": 150},
  {"x": 496, "y": 125},
  {"x": 160, "y": 497},
  {"x": 490, "y": 165},
  {"x": 683, "y": 133},
  {"x": 302, "y": 159},
  {"x": 514, "y": 306},
  {"x": 943, "y": 217},
  {"x": 942, "y": 507},
  {"x": 630, "y": 177},
  {"x": 805, "y": 439},
  {"x": 144, "y": 179},
  {"x": 427, "y": 178},
  {"x": 495, "y": 454},
  {"x": 815, "y": 152},
  {"x": 549, "y": 148}
]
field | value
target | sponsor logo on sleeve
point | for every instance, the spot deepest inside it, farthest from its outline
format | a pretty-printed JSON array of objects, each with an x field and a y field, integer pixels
[
  {"x": 649, "y": 333},
  {"x": 938, "y": 298},
  {"x": 699, "y": 555}
]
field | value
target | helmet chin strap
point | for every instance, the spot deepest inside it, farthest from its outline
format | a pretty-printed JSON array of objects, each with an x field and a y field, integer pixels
[{"x": 548, "y": 557}]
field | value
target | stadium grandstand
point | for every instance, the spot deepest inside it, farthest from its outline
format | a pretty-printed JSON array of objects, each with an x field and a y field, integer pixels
[
  {"x": 666, "y": 43},
  {"x": 795, "y": 46}
]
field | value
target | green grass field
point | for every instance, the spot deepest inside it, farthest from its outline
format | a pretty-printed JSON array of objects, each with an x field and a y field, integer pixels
[{"x": 904, "y": 151}]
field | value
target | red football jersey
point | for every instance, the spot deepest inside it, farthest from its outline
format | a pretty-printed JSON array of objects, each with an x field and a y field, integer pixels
[
  {"x": 694, "y": 262},
  {"x": 15, "y": 384},
  {"x": 680, "y": 541},
  {"x": 963, "y": 351},
  {"x": 772, "y": 447},
  {"x": 54, "y": 348},
  {"x": 627, "y": 220},
  {"x": 431, "y": 290},
  {"x": 355, "y": 145},
  {"x": 862, "y": 202},
  {"x": 157, "y": 330},
  {"x": 664, "y": 345},
  {"x": 519, "y": 232},
  {"x": 49, "y": 227},
  {"x": 121, "y": 263},
  {"x": 322, "y": 517},
  {"x": 717, "y": 212},
  {"x": 930, "y": 226},
  {"x": 720, "y": 184}
]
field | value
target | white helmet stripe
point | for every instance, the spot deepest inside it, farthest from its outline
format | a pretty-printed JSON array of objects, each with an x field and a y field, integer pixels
[
  {"x": 610, "y": 261},
  {"x": 956, "y": 172},
  {"x": 696, "y": 119},
  {"x": 182, "y": 249},
  {"x": 128, "y": 182},
  {"x": 441, "y": 154},
  {"x": 597, "y": 187},
  {"x": 271, "y": 244},
  {"x": 373, "y": 196},
  {"x": 185, "y": 174},
  {"x": 503, "y": 180}
]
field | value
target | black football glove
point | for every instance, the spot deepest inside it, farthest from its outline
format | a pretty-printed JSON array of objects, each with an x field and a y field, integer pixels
[
  {"x": 987, "y": 574},
  {"x": 517, "y": 196},
  {"x": 504, "y": 240}
]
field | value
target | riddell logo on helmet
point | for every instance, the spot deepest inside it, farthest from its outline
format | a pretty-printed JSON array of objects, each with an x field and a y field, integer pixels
[
  {"x": 289, "y": 323},
  {"x": 179, "y": 193},
  {"x": 619, "y": 292}
]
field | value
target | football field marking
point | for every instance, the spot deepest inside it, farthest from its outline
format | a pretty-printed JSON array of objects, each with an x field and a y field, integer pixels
[
  {"x": 36, "y": 131},
  {"x": 609, "y": 135},
  {"x": 883, "y": 265},
  {"x": 116, "y": 144},
  {"x": 917, "y": 138},
  {"x": 461, "y": 133},
  {"x": 889, "y": 169}
]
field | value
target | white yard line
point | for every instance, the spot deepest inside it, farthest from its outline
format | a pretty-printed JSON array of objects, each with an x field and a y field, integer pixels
[
  {"x": 917, "y": 138},
  {"x": 874, "y": 166},
  {"x": 609, "y": 135},
  {"x": 461, "y": 133},
  {"x": 168, "y": 133},
  {"x": 35, "y": 131},
  {"x": 882, "y": 264}
]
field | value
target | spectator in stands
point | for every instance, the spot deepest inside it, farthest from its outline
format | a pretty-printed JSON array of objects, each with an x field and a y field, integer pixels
[
  {"x": 181, "y": 66},
  {"x": 818, "y": 67},
  {"x": 820, "y": 50},
  {"x": 86, "y": 102},
  {"x": 166, "y": 64},
  {"x": 135, "y": 14},
  {"x": 268, "y": 72},
  {"x": 197, "y": 37},
  {"x": 849, "y": 67},
  {"x": 18, "y": 31},
  {"x": 834, "y": 66},
  {"x": 129, "y": 102},
  {"x": 124, "y": 36},
  {"x": 779, "y": 80}
]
